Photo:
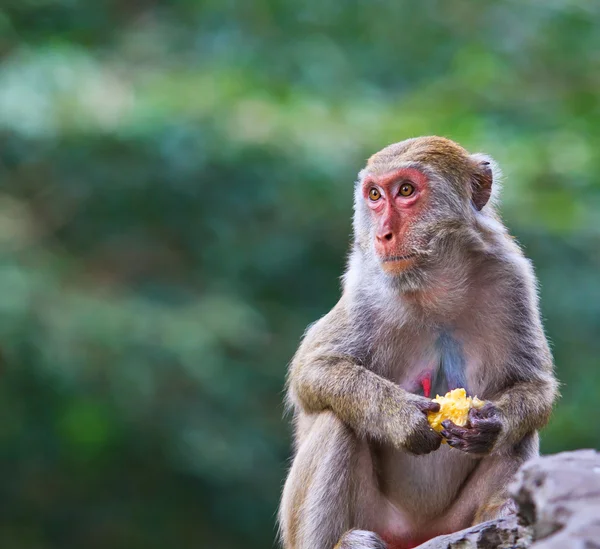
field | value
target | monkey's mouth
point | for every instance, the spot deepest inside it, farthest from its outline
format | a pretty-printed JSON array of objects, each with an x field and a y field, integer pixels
[{"x": 394, "y": 258}]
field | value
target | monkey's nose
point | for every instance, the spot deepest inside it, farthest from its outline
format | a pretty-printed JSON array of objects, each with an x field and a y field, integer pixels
[{"x": 385, "y": 236}]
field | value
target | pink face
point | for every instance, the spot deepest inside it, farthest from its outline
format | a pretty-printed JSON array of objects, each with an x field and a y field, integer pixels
[{"x": 396, "y": 200}]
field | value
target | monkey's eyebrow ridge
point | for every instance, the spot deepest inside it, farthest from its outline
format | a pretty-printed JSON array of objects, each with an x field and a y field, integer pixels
[{"x": 412, "y": 174}]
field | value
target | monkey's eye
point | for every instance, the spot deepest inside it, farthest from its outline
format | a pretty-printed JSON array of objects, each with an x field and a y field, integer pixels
[
  {"x": 374, "y": 194},
  {"x": 406, "y": 189}
]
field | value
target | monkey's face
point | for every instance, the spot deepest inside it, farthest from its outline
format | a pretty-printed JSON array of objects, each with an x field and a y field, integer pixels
[
  {"x": 397, "y": 202},
  {"x": 415, "y": 200}
]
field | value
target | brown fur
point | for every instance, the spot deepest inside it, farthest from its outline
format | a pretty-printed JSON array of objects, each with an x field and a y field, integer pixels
[{"x": 367, "y": 463}]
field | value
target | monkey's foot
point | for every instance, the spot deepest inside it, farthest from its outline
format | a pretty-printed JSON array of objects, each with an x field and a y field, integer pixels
[
  {"x": 499, "y": 507},
  {"x": 360, "y": 539}
]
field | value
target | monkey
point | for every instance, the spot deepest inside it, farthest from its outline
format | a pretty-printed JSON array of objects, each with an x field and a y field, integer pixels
[{"x": 436, "y": 295}]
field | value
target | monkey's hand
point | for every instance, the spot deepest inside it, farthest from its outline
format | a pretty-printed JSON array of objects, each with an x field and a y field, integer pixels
[
  {"x": 480, "y": 433},
  {"x": 416, "y": 435}
]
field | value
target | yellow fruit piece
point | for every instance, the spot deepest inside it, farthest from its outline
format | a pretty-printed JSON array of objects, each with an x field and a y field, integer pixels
[{"x": 454, "y": 406}]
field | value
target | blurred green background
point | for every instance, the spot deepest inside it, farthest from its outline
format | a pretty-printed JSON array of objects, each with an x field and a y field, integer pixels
[{"x": 175, "y": 200}]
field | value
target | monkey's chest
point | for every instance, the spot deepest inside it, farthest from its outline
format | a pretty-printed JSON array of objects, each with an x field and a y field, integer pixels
[{"x": 436, "y": 368}]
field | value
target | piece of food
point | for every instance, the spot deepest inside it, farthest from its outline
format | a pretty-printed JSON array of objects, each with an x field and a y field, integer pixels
[{"x": 455, "y": 406}]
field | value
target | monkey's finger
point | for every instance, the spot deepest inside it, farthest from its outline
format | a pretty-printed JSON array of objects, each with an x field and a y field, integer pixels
[
  {"x": 475, "y": 446},
  {"x": 454, "y": 429},
  {"x": 484, "y": 419},
  {"x": 471, "y": 437},
  {"x": 480, "y": 442},
  {"x": 488, "y": 427},
  {"x": 428, "y": 406},
  {"x": 474, "y": 416},
  {"x": 487, "y": 411},
  {"x": 491, "y": 425},
  {"x": 456, "y": 443},
  {"x": 481, "y": 447},
  {"x": 465, "y": 436}
]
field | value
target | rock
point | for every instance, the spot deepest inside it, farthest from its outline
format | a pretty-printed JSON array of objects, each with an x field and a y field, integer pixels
[
  {"x": 558, "y": 500},
  {"x": 559, "y": 496},
  {"x": 505, "y": 533}
]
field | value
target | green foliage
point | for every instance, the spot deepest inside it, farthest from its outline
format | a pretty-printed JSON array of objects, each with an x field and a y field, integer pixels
[{"x": 175, "y": 202}]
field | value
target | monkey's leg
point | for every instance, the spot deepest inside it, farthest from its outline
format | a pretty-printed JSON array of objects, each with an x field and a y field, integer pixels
[
  {"x": 484, "y": 496},
  {"x": 331, "y": 488}
]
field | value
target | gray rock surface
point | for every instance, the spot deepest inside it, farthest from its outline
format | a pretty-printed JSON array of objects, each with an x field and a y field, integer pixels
[
  {"x": 558, "y": 500},
  {"x": 559, "y": 496},
  {"x": 504, "y": 533}
]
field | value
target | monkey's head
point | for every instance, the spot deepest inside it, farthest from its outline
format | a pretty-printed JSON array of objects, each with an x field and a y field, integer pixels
[{"x": 418, "y": 198}]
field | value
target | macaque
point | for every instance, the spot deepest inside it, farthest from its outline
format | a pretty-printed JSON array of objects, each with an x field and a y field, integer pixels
[{"x": 436, "y": 296}]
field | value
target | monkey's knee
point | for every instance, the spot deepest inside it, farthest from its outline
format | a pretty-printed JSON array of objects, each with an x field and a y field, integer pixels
[
  {"x": 360, "y": 539},
  {"x": 316, "y": 498},
  {"x": 499, "y": 506}
]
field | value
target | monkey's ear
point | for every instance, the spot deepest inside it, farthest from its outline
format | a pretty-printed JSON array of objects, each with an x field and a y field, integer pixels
[{"x": 481, "y": 184}]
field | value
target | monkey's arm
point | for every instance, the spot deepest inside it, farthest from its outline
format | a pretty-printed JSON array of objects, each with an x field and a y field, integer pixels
[
  {"x": 525, "y": 407},
  {"x": 323, "y": 377},
  {"x": 522, "y": 404}
]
